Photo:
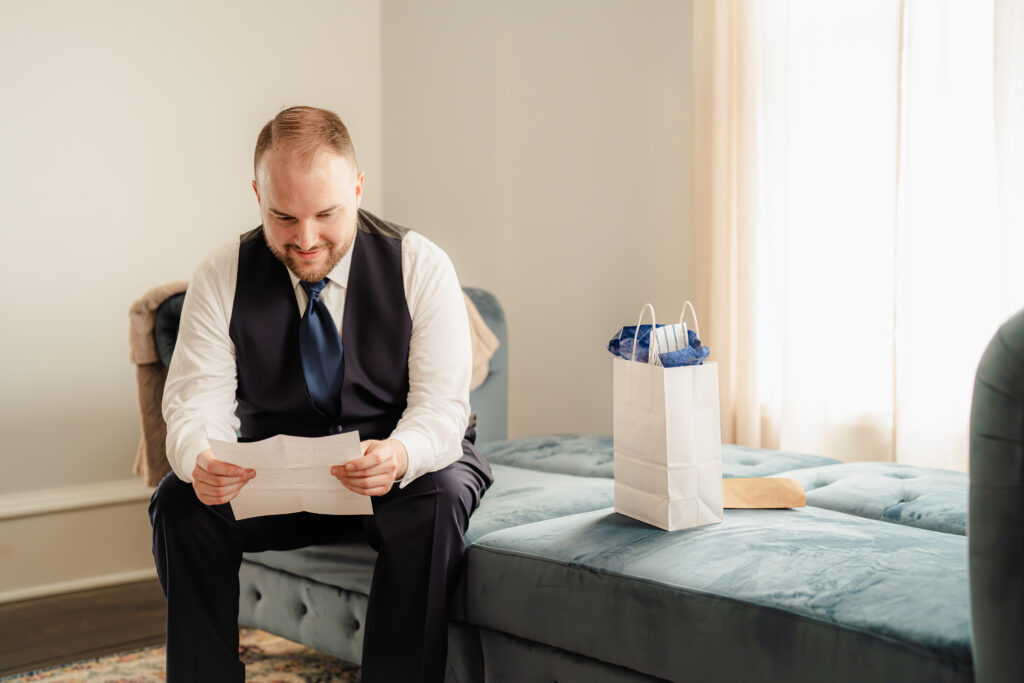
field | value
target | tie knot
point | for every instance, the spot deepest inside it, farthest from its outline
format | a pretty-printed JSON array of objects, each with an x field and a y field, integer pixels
[{"x": 313, "y": 289}]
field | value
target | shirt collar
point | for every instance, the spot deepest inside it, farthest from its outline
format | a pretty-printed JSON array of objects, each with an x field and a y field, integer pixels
[{"x": 338, "y": 274}]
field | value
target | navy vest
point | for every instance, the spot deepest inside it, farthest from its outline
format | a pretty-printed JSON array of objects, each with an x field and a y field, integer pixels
[{"x": 375, "y": 332}]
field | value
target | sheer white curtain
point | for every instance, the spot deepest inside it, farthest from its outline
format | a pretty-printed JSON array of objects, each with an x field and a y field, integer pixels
[{"x": 851, "y": 257}]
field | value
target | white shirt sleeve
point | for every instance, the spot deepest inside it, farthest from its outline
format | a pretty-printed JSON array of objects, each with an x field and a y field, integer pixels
[
  {"x": 440, "y": 360},
  {"x": 199, "y": 395}
]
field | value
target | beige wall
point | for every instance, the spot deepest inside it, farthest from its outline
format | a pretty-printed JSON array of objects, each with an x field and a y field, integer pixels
[
  {"x": 546, "y": 147},
  {"x": 127, "y": 136}
]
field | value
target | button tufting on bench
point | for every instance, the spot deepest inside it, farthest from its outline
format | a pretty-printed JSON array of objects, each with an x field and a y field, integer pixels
[
  {"x": 303, "y": 608},
  {"x": 355, "y": 625},
  {"x": 257, "y": 594}
]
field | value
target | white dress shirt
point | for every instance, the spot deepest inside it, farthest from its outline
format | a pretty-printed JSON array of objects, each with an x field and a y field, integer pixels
[{"x": 199, "y": 400}]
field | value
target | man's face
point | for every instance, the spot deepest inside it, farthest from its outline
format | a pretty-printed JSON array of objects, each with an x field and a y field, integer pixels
[{"x": 309, "y": 211}]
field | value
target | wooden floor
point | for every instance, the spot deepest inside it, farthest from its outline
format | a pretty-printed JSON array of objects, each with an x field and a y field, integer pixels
[{"x": 66, "y": 628}]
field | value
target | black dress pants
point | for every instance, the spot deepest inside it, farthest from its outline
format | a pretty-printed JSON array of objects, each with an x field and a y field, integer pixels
[{"x": 417, "y": 532}]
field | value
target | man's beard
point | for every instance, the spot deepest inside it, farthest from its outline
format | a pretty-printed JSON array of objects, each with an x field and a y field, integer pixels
[{"x": 334, "y": 255}]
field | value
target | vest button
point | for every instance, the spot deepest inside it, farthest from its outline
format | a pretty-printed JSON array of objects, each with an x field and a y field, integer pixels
[{"x": 337, "y": 429}]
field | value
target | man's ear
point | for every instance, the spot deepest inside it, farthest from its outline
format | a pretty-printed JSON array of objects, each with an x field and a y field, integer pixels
[
  {"x": 256, "y": 190},
  {"x": 359, "y": 189}
]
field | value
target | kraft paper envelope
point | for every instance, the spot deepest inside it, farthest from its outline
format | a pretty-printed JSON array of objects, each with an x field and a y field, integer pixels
[{"x": 770, "y": 492}]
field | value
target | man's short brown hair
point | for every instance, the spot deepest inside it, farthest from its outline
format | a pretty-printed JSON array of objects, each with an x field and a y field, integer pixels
[{"x": 307, "y": 130}]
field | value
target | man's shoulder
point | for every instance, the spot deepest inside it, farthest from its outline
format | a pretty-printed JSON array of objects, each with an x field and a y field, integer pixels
[
  {"x": 217, "y": 272},
  {"x": 419, "y": 247},
  {"x": 225, "y": 256},
  {"x": 371, "y": 224}
]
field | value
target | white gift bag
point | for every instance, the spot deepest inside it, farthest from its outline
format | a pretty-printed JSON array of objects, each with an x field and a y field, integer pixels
[{"x": 668, "y": 440}]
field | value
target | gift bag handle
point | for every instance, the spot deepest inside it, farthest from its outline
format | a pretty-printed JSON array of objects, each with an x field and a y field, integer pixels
[
  {"x": 682, "y": 314},
  {"x": 636, "y": 335}
]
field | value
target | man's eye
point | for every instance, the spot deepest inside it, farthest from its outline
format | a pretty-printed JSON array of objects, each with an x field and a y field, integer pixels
[
  {"x": 285, "y": 219},
  {"x": 326, "y": 215}
]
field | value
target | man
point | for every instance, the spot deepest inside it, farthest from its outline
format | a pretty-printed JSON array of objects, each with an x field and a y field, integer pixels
[{"x": 325, "y": 319}]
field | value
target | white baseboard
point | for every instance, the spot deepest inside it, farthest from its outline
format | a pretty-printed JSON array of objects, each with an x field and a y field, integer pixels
[
  {"x": 74, "y": 538},
  {"x": 44, "y": 501},
  {"x": 78, "y": 585}
]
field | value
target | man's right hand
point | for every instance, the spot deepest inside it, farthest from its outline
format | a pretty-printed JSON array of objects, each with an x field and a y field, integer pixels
[{"x": 217, "y": 482}]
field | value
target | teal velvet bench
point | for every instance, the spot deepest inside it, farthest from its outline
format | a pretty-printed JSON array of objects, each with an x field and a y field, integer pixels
[
  {"x": 869, "y": 582},
  {"x": 769, "y": 595}
]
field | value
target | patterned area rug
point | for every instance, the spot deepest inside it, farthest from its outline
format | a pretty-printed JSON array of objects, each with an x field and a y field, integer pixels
[{"x": 268, "y": 659}]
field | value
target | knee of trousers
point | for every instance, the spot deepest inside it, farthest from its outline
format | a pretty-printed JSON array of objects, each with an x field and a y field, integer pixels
[
  {"x": 455, "y": 501},
  {"x": 436, "y": 507},
  {"x": 174, "y": 501},
  {"x": 458, "y": 495}
]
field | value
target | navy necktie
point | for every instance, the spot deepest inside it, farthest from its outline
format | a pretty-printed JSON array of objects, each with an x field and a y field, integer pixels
[{"x": 321, "y": 351}]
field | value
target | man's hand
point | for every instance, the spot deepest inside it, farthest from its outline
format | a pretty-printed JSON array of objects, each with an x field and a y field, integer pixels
[
  {"x": 218, "y": 482},
  {"x": 375, "y": 472}
]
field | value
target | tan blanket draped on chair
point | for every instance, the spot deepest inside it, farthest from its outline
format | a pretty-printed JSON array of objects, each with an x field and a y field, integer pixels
[{"x": 150, "y": 374}]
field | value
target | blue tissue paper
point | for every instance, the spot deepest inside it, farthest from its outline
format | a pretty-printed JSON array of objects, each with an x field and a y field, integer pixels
[
  {"x": 621, "y": 345},
  {"x": 694, "y": 354}
]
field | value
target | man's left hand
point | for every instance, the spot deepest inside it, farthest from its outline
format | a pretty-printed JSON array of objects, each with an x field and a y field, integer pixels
[{"x": 375, "y": 472}]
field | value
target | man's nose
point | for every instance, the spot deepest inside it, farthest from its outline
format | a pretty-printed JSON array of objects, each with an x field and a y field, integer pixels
[{"x": 307, "y": 237}]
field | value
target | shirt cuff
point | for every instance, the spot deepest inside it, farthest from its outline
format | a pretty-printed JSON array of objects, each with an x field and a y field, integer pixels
[
  {"x": 188, "y": 461},
  {"x": 418, "y": 450}
]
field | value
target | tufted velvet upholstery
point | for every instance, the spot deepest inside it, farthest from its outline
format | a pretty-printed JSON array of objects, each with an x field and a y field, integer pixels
[
  {"x": 590, "y": 455},
  {"x": 903, "y": 494},
  {"x": 320, "y": 615},
  {"x": 345, "y": 564},
  {"x": 584, "y": 455},
  {"x": 743, "y": 461},
  {"x": 520, "y": 496}
]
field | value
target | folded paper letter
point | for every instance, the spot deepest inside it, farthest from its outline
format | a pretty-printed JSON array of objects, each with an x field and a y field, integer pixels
[{"x": 293, "y": 474}]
